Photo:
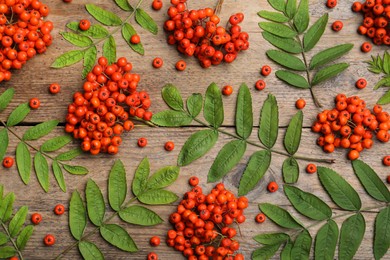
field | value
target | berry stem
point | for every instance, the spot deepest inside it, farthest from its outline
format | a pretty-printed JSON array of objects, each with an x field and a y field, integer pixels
[
  {"x": 218, "y": 7},
  {"x": 12, "y": 240}
]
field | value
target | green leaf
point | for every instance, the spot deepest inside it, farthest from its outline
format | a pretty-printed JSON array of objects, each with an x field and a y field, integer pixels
[
  {"x": 326, "y": 241},
  {"x": 77, "y": 216},
  {"x": 57, "y": 171},
  {"x": 95, "y": 31},
  {"x": 273, "y": 16},
  {"x": 4, "y": 140},
  {"x": 280, "y": 216},
  {"x": 17, "y": 221},
  {"x": 7, "y": 251},
  {"x": 195, "y": 104},
  {"x": 23, "y": 162},
  {"x": 124, "y": 5},
  {"x": 291, "y": 8},
  {"x": 329, "y": 72},
  {"x": 1, "y": 192},
  {"x": 171, "y": 118},
  {"x": 265, "y": 252},
  {"x": 56, "y": 143},
  {"x": 328, "y": 55},
  {"x": 386, "y": 62},
  {"x": 269, "y": 122},
  {"x": 213, "y": 106},
  {"x": 228, "y": 157},
  {"x": 286, "y": 252},
  {"x": 279, "y": 5},
  {"x": 109, "y": 50},
  {"x": 128, "y": 31},
  {"x": 382, "y": 233},
  {"x": 69, "y": 155},
  {"x": 157, "y": 197},
  {"x": 292, "y": 79},
  {"x": 313, "y": 35},
  {"x": 3, "y": 238},
  {"x": 244, "y": 113},
  {"x": 6, "y": 98},
  {"x": 278, "y": 29},
  {"x": 103, "y": 16},
  {"x": 163, "y": 177},
  {"x": 146, "y": 22},
  {"x": 76, "y": 170},
  {"x": 117, "y": 236},
  {"x": 6, "y": 207},
  {"x": 40, "y": 130},
  {"x": 90, "y": 251},
  {"x": 18, "y": 114},
  {"x": 385, "y": 99},
  {"x": 285, "y": 44},
  {"x": 172, "y": 97},
  {"x": 287, "y": 60},
  {"x": 271, "y": 238},
  {"x": 197, "y": 145},
  {"x": 307, "y": 204},
  {"x": 301, "y": 18},
  {"x": 67, "y": 59},
  {"x": 351, "y": 236},
  {"x": 301, "y": 247},
  {"x": 290, "y": 169},
  {"x": 42, "y": 171},
  {"x": 141, "y": 177},
  {"x": 76, "y": 39},
  {"x": 117, "y": 185},
  {"x": 95, "y": 203},
  {"x": 140, "y": 215},
  {"x": 384, "y": 82},
  {"x": 24, "y": 236},
  {"x": 90, "y": 56},
  {"x": 257, "y": 166},
  {"x": 292, "y": 138},
  {"x": 340, "y": 191},
  {"x": 370, "y": 181}
]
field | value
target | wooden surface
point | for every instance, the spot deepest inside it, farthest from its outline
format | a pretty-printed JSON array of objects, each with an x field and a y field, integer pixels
[{"x": 33, "y": 81}]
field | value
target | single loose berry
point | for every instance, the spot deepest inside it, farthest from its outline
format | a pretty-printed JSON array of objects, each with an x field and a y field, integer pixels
[
  {"x": 84, "y": 24},
  {"x": 227, "y": 90},
  {"x": 157, "y": 5},
  {"x": 14, "y": 258},
  {"x": 361, "y": 83},
  {"x": 311, "y": 168},
  {"x": 386, "y": 160},
  {"x": 135, "y": 39},
  {"x": 265, "y": 70},
  {"x": 169, "y": 146},
  {"x": 331, "y": 3},
  {"x": 353, "y": 155},
  {"x": 300, "y": 103},
  {"x": 337, "y": 26},
  {"x": 154, "y": 241},
  {"x": 366, "y": 47},
  {"x": 8, "y": 162},
  {"x": 272, "y": 186},
  {"x": 157, "y": 62},
  {"x": 260, "y": 84},
  {"x": 152, "y": 256},
  {"x": 54, "y": 88},
  {"x": 181, "y": 65},
  {"x": 34, "y": 103},
  {"x": 49, "y": 240},
  {"x": 36, "y": 218},
  {"x": 260, "y": 218},
  {"x": 142, "y": 142},
  {"x": 59, "y": 209},
  {"x": 193, "y": 181}
]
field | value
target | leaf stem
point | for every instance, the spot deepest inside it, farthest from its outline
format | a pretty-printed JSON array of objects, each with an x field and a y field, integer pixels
[{"x": 12, "y": 241}]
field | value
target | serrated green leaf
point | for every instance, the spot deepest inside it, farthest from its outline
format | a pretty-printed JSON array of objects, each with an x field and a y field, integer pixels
[
  {"x": 286, "y": 252},
  {"x": 69, "y": 155},
  {"x": 157, "y": 197},
  {"x": 384, "y": 82},
  {"x": 103, "y": 16},
  {"x": 228, "y": 157},
  {"x": 146, "y": 22},
  {"x": 6, "y": 98},
  {"x": 6, "y": 207},
  {"x": 7, "y": 251},
  {"x": 128, "y": 31},
  {"x": 109, "y": 50},
  {"x": 302, "y": 18},
  {"x": 326, "y": 241},
  {"x": 18, "y": 114},
  {"x": 292, "y": 79},
  {"x": 163, "y": 177},
  {"x": 40, "y": 130},
  {"x": 117, "y": 185},
  {"x": 95, "y": 31},
  {"x": 171, "y": 118},
  {"x": 77, "y": 216},
  {"x": 265, "y": 252},
  {"x": 172, "y": 97},
  {"x": 278, "y": 29},
  {"x": 3, "y": 238},
  {"x": 370, "y": 181},
  {"x": 57, "y": 171},
  {"x": 118, "y": 236},
  {"x": 197, "y": 145},
  {"x": 351, "y": 236},
  {"x": 244, "y": 113},
  {"x": 42, "y": 171},
  {"x": 307, "y": 204},
  {"x": 141, "y": 177},
  {"x": 329, "y": 72},
  {"x": 124, "y": 5},
  {"x": 4, "y": 140},
  {"x": 386, "y": 62},
  {"x": 56, "y": 143},
  {"x": 90, "y": 251},
  {"x": 17, "y": 221},
  {"x": 313, "y": 35},
  {"x": 213, "y": 106},
  {"x": 279, "y": 5},
  {"x": 24, "y": 236},
  {"x": 280, "y": 216},
  {"x": 291, "y": 8},
  {"x": 290, "y": 170},
  {"x": 195, "y": 104},
  {"x": 285, "y": 44},
  {"x": 74, "y": 169},
  {"x": 328, "y": 55},
  {"x": 385, "y": 99},
  {"x": 340, "y": 191},
  {"x": 292, "y": 137},
  {"x": 67, "y": 59},
  {"x": 257, "y": 166},
  {"x": 140, "y": 215},
  {"x": 95, "y": 203},
  {"x": 287, "y": 60},
  {"x": 90, "y": 56},
  {"x": 23, "y": 162},
  {"x": 76, "y": 39},
  {"x": 273, "y": 16},
  {"x": 382, "y": 233},
  {"x": 301, "y": 247},
  {"x": 269, "y": 122},
  {"x": 271, "y": 238}
]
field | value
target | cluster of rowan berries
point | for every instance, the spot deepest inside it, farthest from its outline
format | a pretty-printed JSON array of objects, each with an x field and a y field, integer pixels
[
  {"x": 100, "y": 114},
  {"x": 351, "y": 125},
  {"x": 376, "y": 18},
  {"x": 196, "y": 33},
  {"x": 23, "y": 33},
  {"x": 202, "y": 223}
]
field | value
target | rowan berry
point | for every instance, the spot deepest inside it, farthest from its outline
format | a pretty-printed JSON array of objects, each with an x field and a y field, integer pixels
[
  {"x": 272, "y": 186},
  {"x": 49, "y": 240},
  {"x": 386, "y": 160},
  {"x": 361, "y": 83},
  {"x": 84, "y": 24},
  {"x": 366, "y": 47},
  {"x": 154, "y": 241},
  {"x": 8, "y": 162},
  {"x": 337, "y": 26},
  {"x": 169, "y": 146},
  {"x": 265, "y": 70},
  {"x": 227, "y": 90},
  {"x": 14, "y": 258},
  {"x": 59, "y": 209},
  {"x": 142, "y": 142},
  {"x": 388, "y": 179},
  {"x": 353, "y": 155},
  {"x": 181, "y": 65},
  {"x": 157, "y": 63},
  {"x": 300, "y": 103},
  {"x": 260, "y": 218},
  {"x": 157, "y": 4},
  {"x": 34, "y": 103},
  {"x": 357, "y": 7},
  {"x": 260, "y": 84},
  {"x": 67, "y": 1},
  {"x": 311, "y": 168},
  {"x": 54, "y": 88},
  {"x": 152, "y": 256},
  {"x": 331, "y": 3},
  {"x": 36, "y": 218}
]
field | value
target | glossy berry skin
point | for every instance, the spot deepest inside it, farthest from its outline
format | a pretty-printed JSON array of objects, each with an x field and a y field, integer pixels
[
  {"x": 49, "y": 240},
  {"x": 300, "y": 103},
  {"x": 361, "y": 83},
  {"x": 331, "y": 3},
  {"x": 8, "y": 162},
  {"x": 84, "y": 24},
  {"x": 152, "y": 256},
  {"x": 366, "y": 47},
  {"x": 157, "y": 62},
  {"x": 260, "y": 218},
  {"x": 193, "y": 181},
  {"x": 142, "y": 142},
  {"x": 36, "y": 218},
  {"x": 14, "y": 258},
  {"x": 59, "y": 209},
  {"x": 227, "y": 90},
  {"x": 54, "y": 88},
  {"x": 272, "y": 186},
  {"x": 157, "y": 4},
  {"x": 181, "y": 65},
  {"x": 34, "y": 103},
  {"x": 154, "y": 241},
  {"x": 337, "y": 26},
  {"x": 260, "y": 84},
  {"x": 169, "y": 146},
  {"x": 135, "y": 39},
  {"x": 311, "y": 168},
  {"x": 265, "y": 70},
  {"x": 386, "y": 160},
  {"x": 67, "y": 1}
]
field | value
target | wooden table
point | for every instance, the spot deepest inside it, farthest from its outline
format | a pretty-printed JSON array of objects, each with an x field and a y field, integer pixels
[{"x": 33, "y": 81}]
